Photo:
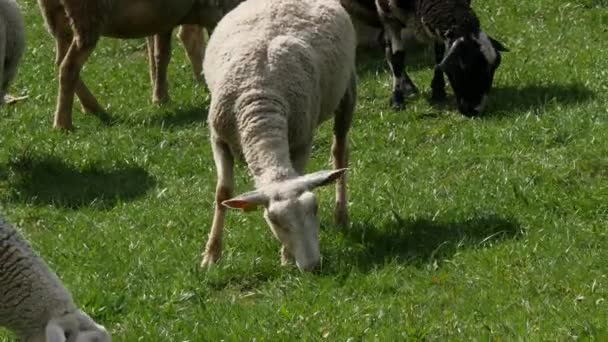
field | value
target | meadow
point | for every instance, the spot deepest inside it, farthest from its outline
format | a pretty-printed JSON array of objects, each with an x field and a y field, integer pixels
[{"x": 491, "y": 228}]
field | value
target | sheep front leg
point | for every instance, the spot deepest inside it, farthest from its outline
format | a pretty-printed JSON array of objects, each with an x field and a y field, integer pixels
[
  {"x": 162, "y": 56},
  {"x": 193, "y": 41},
  {"x": 395, "y": 56},
  {"x": 151, "y": 59},
  {"x": 342, "y": 123},
  {"x": 438, "y": 82},
  {"x": 69, "y": 76},
  {"x": 224, "y": 164}
]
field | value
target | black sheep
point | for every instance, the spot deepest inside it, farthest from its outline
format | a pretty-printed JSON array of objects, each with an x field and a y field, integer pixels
[{"x": 471, "y": 59}]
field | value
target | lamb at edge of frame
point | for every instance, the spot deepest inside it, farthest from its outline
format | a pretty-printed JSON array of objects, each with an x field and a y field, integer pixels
[
  {"x": 34, "y": 304},
  {"x": 12, "y": 43},
  {"x": 78, "y": 25},
  {"x": 276, "y": 69}
]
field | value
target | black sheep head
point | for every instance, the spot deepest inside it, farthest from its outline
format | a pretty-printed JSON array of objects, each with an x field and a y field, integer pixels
[{"x": 470, "y": 64}]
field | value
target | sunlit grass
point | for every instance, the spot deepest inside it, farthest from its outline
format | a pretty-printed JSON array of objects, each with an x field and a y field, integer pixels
[{"x": 487, "y": 228}]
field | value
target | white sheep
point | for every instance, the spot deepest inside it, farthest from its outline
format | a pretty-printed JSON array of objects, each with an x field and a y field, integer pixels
[
  {"x": 12, "y": 43},
  {"x": 33, "y": 302},
  {"x": 276, "y": 69}
]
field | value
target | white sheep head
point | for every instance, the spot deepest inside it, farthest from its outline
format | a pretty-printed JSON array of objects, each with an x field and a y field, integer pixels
[
  {"x": 72, "y": 327},
  {"x": 290, "y": 209}
]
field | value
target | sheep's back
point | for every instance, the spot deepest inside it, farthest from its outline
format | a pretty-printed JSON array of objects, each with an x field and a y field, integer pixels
[
  {"x": 302, "y": 50},
  {"x": 440, "y": 16}
]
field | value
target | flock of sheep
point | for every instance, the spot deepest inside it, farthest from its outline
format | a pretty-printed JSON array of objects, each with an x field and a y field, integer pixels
[{"x": 276, "y": 69}]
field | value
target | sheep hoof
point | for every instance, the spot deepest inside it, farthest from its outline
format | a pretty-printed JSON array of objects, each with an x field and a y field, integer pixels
[
  {"x": 397, "y": 101},
  {"x": 161, "y": 100},
  {"x": 438, "y": 97},
  {"x": 65, "y": 125},
  {"x": 209, "y": 260},
  {"x": 341, "y": 217}
]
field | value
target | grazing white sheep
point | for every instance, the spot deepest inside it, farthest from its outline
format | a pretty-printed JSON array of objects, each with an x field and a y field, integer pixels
[
  {"x": 276, "y": 69},
  {"x": 33, "y": 302},
  {"x": 12, "y": 43}
]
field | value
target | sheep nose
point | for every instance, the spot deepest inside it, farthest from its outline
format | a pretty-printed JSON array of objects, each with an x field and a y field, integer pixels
[
  {"x": 313, "y": 266},
  {"x": 467, "y": 109}
]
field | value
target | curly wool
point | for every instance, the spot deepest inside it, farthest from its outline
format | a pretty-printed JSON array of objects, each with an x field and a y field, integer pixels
[
  {"x": 276, "y": 70},
  {"x": 31, "y": 293}
]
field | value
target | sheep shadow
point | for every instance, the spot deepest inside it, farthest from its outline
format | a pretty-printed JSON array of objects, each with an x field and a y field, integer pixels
[
  {"x": 51, "y": 181},
  {"x": 180, "y": 118},
  {"x": 507, "y": 101},
  {"x": 421, "y": 241},
  {"x": 532, "y": 97}
]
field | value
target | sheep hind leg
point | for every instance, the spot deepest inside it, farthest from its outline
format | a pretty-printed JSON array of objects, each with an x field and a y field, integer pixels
[
  {"x": 224, "y": 164},
  {"x": 438, "y": 83},
  {"x": 395, "y": 56},
  {"x": 193, "y": 41},
  {"x": 342, "y": 123},
  {"x": 69, "y": 78},
  {"x": 87, "y": 99},
  {"x": 162, "y": 56},
  {"x": 151, "y": 60}
]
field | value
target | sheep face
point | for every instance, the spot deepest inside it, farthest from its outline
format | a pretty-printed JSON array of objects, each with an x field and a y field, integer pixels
[
  {"x": 470, "y": 64},
  {"x": 73, "y": 327},
  {"x": 294, "y": 223},
  {"x": 290, "y": 208}
]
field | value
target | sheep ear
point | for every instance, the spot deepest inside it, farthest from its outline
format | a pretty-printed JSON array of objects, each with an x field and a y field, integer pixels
[
  {"x": 54, "y": 333},
  {"x": 320, "y": 178},
  {"x": 498, "y": 45},
  {"x": 248, "y": 201},
  {"x": 450, "y": 54}
]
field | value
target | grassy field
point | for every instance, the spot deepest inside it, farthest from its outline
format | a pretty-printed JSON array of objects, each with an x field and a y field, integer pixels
[{"x": 487, "y": 228}]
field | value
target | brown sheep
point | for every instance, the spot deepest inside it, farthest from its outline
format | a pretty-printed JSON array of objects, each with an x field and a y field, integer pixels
[
  {"x": 77, "y": 26},
  {"x": 193, "y": 38}
]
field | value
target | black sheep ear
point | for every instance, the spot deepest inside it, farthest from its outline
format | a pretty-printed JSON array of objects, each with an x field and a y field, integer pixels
[{"x": 498, "y": 45}]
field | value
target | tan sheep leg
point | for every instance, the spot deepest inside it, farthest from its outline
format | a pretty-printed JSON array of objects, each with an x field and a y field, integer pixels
[
  {"x": 162, "y": 56},
  {"x": 342, "y": 124},
  {"x": 87, "y": 99},
  {"x": 69, "y": 73},
  {"x": 224, "y": 164},
  {"x": 151, "y": 60},
  {"x": 193, "y": 41}
]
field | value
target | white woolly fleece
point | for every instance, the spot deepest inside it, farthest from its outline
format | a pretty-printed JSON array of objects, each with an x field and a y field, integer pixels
[
  {"x": 31, "y": 293},
  {"x": 276, "y": 69}
]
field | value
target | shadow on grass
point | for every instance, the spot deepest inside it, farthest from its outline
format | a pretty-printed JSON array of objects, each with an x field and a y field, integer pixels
[
  {"x": 420, "y": 242},
  {"x": 169, "y": 118},
  {"x": 50, "y": 181},
  {"x": 181, "y": 117},
  {"x": 534, "y": 97}
]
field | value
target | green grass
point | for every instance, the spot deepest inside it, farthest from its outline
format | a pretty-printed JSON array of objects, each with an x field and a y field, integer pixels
[{"x": 487, "y": 228}]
